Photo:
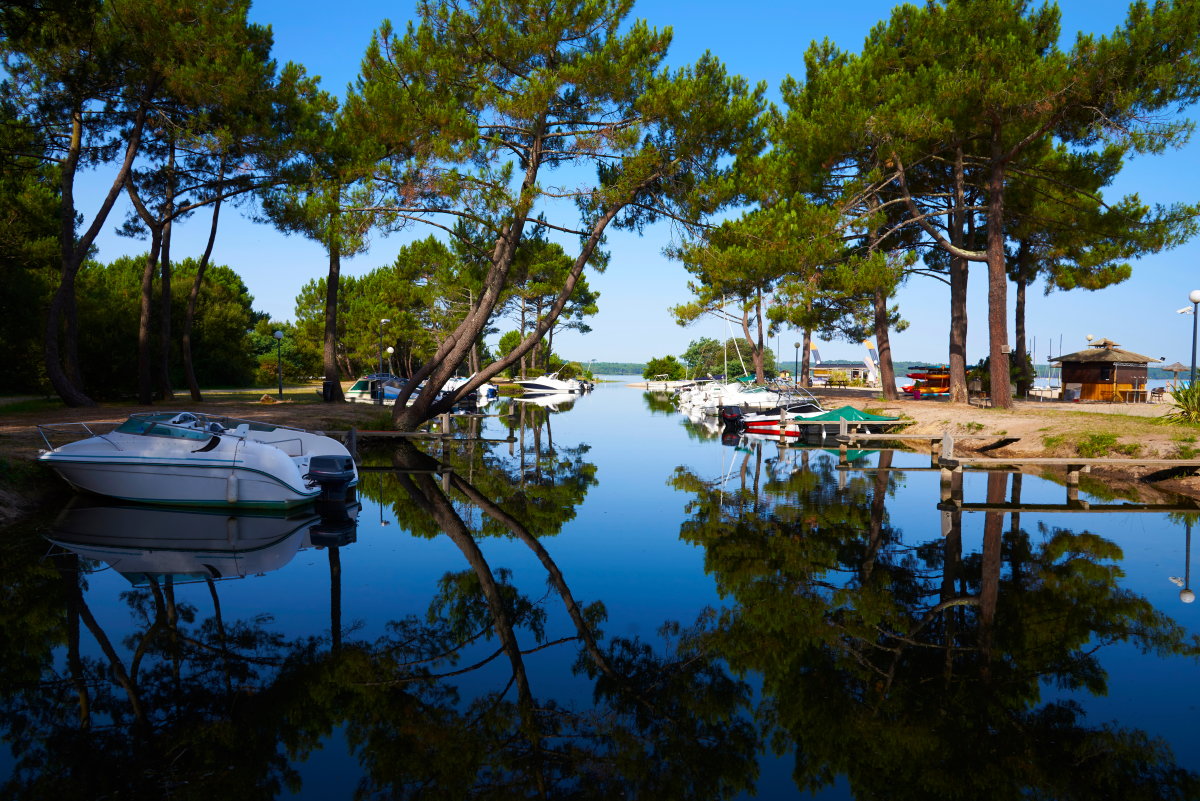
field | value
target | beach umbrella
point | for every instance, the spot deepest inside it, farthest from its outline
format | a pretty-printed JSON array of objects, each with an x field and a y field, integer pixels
[{"x": 1175, "y": 369}]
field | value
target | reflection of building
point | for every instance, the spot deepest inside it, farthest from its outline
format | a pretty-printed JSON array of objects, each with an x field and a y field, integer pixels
[{"x": 1104, "y": 372}]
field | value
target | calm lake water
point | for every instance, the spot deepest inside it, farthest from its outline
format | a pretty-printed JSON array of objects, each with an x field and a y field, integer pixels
[{"x": 617, "y": 604}]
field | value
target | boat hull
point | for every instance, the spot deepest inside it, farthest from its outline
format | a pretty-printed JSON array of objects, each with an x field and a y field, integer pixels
[{"x": 181, "y": 484}]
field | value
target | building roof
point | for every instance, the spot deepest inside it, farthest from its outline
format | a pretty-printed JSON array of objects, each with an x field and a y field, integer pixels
[{"x": 1105, "y": 351}]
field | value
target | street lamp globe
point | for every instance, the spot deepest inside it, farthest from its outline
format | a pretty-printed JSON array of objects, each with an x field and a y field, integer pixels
[
  {"x": 279, "y": 335},
  {"x": 1090, "y": 337},
  {"x": 797, "y": 344},
  {"x": 391, "y": 351},
  {"x": 1187, "y": 596},
  {"x": 1194, "y": 296}
]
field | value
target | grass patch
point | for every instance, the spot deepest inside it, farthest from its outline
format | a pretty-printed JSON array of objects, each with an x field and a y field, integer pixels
[
  {"x": 1053, "y": 441},
  {"x": 1183, "y": 438},
  {"x": 1185, "y": 452},
  {"x": 972, "y": 427},
  {"x": 33, "y": 405},
  {"x": 510, "y": 390},
  {"x": 1096, "y": 446},
  {"x": 381, "y": 421}
]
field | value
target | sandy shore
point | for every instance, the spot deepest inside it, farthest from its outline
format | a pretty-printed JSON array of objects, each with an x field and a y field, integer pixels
[{"x": 1056, "y": 429}]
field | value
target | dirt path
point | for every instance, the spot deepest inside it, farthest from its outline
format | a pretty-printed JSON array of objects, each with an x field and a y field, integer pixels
[{"x": 1057, "y": 429}]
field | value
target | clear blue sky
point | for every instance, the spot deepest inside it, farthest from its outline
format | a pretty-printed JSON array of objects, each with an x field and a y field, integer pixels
[{"x": 764, "y": 41}]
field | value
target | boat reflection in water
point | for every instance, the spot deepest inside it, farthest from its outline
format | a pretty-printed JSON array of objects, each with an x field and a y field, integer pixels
[{"x": 141, "y": 541}]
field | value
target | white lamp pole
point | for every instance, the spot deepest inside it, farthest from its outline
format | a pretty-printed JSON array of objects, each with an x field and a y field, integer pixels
[
  {"x": 1194, "y": 297},
  {"x": 279, "y": 360}
]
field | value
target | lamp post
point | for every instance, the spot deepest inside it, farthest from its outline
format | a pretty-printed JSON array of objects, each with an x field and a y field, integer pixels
[
  {"x": 1194, "y": 297},
  {"x": 279, "y": 360},
  {"x": 390, "y": 351},
  {"x": 381, "y": 322},
  {"x": 796, "y": 371}
]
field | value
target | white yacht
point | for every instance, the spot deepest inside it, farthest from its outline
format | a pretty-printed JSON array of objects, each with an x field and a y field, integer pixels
[
  {"x": 547, "y": 385},
  {"x": 194, "y": 459}
]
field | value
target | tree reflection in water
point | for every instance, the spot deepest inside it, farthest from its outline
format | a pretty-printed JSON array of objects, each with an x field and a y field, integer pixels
[
  {"x": 911, "y": 669},
  {"x": 915, "y": 671},
  {"x": 198, "y": 706}
]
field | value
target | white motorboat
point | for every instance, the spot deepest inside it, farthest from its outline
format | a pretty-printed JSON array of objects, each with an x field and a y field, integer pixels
[
  {"x": 546, "y": 385},
  {"x": 189, "y": 545},
  {"x": 194, "y": 459},
  {"x": 366, "y": 389},
  {"x": 801, "y": 404}
]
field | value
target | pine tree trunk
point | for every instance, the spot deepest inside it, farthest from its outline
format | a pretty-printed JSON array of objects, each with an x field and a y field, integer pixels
[
  {"x": 1023, "y": 378},
  {"x": 805, "y": 348},
  {"x": 759, "y": 354},
  {"x": 958, "y": 289},
  {"x": 164, "y": 378},
  {"x": 887, "y": 374},
  {"x": 189, "y": 317},
  {"x": 997, "y": 281},
  {"x": 331, "y": 310},
  {"x": 145, "y": 382},
  {"x": 522, "y": 335},
  {"x": 71, "y": 342}
]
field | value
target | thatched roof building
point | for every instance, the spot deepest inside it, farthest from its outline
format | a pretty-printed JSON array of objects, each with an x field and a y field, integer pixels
[{"x": 1105, "y": 372}]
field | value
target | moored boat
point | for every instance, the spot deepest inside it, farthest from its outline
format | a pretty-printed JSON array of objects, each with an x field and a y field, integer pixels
[{"x": 182, "y": 458}]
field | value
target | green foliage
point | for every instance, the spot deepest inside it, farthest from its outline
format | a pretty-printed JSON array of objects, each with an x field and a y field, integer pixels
[
  {"x": 705, "y": 356},
  {"x": 667, "y": 365},
  {"x": 299, "y": 359},
  {"x": 1052, "y": 441}
]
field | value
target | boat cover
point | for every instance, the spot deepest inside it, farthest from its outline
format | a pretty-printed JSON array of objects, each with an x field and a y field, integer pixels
[{"x": 848, "y": 413}]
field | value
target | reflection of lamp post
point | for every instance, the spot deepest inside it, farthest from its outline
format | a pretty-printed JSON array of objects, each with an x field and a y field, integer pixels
[
  {"x": 382, "y": 522},
  {"x": 279, "y": 360},
  {"x": 796, "y": 369},
  {"x": 1186, "y": 595}
]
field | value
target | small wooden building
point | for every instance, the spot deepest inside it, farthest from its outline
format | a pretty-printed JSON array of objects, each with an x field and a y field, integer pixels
[{"x": 1105, "y": 372}]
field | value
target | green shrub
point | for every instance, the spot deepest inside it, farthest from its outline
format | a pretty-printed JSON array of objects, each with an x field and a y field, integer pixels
[
  {"x": 1186, "y": 403},
  {"x": 667, "y": 365}
]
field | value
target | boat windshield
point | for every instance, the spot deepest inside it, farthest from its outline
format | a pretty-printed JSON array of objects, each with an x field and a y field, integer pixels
[{"x": 171, "y": 424}]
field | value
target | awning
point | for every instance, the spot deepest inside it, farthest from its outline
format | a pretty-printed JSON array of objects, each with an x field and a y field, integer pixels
[{"x": 848, "y": 413}]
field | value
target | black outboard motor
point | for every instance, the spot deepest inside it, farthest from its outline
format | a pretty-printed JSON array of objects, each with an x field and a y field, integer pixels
[
  {"x": 731, "y": 416},
  {"x": 332, "y": 474}
]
